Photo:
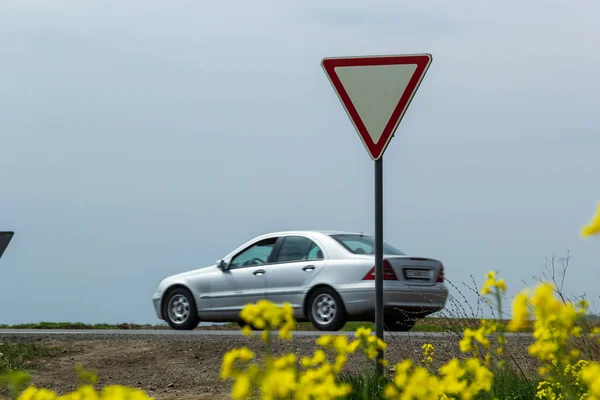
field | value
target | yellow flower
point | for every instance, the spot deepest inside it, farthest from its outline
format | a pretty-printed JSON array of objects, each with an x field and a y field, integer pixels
[
  {"x": 285, "y": 333},
  {"x": 114, "y": 392},
  {"x": 229, "y": 369},
  {"x": 465, "y": 380},
  {"x": 340, "y": 361},
  {"x": 33, "y": 393},
  {"x": 86, "y": 392},
  {"x": 259, "y": 323},
  {"x": 428, "y": 348},
  {"x": 428, "y": 351},
  {"x": 318, "y": 358},
  {"x": 593, "y": 226},
  {"x": 265, "y": 334},
  {"x": 500, "y": 284},
  {"x": 279, "y": 384},
  {"x": 267, "y": 316},
  {"x": 241, "y": 387},
  {"x": 520, "y": 312},
  {"x": 340, "y": 343},
  {"x": 362, "y": 331},
  {"x": 452, "y": 372},
  {"x": 353, "y": 346},
  {"x": 324, "y": 340},
  {"x": 583, "y": 304},
  {"x": 553, "y": 327},
  {"x": 465, "y": 343},
  {"x": 491, "y": 283},
  {"x": 590, "y": 375},
  {"x": 369, "y": 343},
  {"x": 246, "y": 330}
]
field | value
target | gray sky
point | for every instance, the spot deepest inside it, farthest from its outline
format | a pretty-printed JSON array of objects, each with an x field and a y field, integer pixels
[{"x": 145, "y": 138}]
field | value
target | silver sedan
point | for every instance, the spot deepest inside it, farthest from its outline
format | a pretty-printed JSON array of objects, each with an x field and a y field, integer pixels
[{"x": 327, "y": 277}]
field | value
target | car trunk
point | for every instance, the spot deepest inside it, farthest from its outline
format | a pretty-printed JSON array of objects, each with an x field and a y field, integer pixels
[{"x": 415, "y": 270}]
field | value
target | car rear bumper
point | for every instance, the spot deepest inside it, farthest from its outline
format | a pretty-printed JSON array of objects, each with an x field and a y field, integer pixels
[{"x": 420, "y": 300}]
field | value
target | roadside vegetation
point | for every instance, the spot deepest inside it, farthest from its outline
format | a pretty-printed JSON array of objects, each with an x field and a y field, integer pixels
[
  {"x": 565, "y": 349},
  {"x": 22, "y": 356},
  {"x": 430, "y": 324},
  {"x": 444, "y": 323},
  {"x": 80, "y": 325},
  {"x": 563, "y": 353}
]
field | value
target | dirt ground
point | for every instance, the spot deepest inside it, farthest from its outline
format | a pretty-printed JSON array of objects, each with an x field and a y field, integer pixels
[{"x": 188, "y": 367}]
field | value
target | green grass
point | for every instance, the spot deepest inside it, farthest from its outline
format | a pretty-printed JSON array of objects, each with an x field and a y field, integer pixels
[
  {"x": 21, "y": 356},
  {"x": 365, "y": 386},
  {"x": 304, "y": 326},
  {"x": 424, "y": 325},
  {"x": 78, "y": 325},
  {"x": 507, "y": 385},
  {"x": 430, "y": 324}
]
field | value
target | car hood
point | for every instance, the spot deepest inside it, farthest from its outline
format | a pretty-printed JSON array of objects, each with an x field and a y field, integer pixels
[{"x": 179, "y": 278}]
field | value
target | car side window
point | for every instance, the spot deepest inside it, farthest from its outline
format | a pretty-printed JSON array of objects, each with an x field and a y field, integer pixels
[
  {"x": 256, "y": 254},
  {"x": 299, "y": 248},
  {"x": 315, "y": 253}
]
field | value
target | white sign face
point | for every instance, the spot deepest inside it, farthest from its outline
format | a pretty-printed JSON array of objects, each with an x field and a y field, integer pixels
[{"x": 376, "y": 91}]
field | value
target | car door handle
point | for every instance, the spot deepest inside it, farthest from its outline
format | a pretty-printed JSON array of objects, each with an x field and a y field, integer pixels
[
  {"x": 308, "y": 268},
  {"x": 259, "y": 272}
]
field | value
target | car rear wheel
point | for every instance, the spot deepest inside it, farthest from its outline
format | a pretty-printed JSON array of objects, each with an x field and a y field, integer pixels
[
  {"x": 326, "y": 310},
  {"x": 180, "y": 310}
]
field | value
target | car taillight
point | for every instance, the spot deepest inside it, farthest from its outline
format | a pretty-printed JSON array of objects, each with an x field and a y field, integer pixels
[
  {"x": 388, "y": 273},
  {"x": 440, "y": 277}
]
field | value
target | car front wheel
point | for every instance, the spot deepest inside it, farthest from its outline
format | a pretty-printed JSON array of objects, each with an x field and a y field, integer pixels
[
  {"x": 180, "y": 310},
  {"x": 326, "y": 310}
]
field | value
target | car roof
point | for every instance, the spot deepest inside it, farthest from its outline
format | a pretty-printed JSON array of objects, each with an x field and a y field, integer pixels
[
  {"x": 309, "y": 233},
  {"x": 323, "y": 232}
]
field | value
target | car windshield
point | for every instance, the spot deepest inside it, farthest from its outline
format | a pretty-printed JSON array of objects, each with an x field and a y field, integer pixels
[{"x": 363, "y": 244}]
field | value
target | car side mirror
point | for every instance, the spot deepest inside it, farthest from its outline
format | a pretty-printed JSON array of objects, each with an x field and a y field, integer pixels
[{"x": 222, "y": 265}]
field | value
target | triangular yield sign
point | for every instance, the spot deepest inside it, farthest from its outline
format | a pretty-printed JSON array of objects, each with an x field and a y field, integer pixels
[{"x": 376, "y": 91}]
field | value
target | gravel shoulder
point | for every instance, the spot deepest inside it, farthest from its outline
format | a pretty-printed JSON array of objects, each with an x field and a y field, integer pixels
[{"x": 188, "y": 367}]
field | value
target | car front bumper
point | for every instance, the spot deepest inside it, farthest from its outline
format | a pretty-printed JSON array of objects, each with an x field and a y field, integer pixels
[{"x": 156, "y": 302}]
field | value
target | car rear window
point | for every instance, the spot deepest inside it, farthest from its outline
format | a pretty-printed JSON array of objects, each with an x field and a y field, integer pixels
[{"x": 363, "y": 244}]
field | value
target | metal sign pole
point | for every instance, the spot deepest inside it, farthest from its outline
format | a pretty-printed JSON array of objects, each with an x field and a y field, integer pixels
[{"x": 379, "y": 259}]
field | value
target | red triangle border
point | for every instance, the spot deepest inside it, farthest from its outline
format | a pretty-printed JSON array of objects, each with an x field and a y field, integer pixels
[{"x": 422, "y": 62}]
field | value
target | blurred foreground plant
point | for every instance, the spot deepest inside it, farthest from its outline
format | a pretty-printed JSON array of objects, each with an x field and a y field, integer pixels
[
  {"x": 16, "y": 381},
  {"x": 287, "y": 376},
  {"x": 563, "y": 374},
  {"x": 593, "y": 226}
]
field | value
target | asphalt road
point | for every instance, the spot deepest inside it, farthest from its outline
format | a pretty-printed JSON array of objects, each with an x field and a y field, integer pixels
[{"x": 198, "y": 332}]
